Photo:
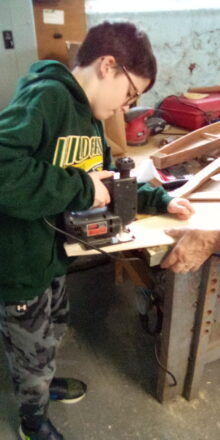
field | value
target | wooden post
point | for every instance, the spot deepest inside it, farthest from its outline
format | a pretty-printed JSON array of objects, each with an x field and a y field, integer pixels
[
  {"x": 204, "y": 323},
  {"x": 181, "y": 296}
]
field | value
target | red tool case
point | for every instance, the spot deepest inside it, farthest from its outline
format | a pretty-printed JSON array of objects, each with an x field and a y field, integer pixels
[{"x": 190, "y": 113}]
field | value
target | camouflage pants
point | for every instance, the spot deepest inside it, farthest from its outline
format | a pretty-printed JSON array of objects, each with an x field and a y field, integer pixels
[{"x": 31, "y": 332}]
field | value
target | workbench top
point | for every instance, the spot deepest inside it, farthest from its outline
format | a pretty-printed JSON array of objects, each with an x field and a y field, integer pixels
[{"x": 149, "y": 231}]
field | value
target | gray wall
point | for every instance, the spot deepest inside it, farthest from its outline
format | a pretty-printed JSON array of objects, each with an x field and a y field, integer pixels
[
  {"x": 186, "y": 45},
  {"x": 17, "y": 16}
]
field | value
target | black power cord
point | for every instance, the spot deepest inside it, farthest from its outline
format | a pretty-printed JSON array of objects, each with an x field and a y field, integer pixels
[
  {"x": 174, "y": 384},
  {"x": 61, "y": 231}
]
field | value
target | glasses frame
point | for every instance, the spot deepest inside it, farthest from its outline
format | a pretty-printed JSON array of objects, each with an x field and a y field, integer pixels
[{"x": 137, "y": 94}]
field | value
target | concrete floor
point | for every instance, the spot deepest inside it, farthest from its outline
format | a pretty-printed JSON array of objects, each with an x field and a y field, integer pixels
[{"x": 108, "y": 349}]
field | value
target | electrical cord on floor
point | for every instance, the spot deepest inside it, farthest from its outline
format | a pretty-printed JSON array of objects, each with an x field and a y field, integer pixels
[
  {"x": 113, "y": 257},
  {"x": 174, "y": 384}
]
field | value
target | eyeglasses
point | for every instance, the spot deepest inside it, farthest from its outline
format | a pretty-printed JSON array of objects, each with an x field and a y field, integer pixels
[{"x": 134, "y": 97}]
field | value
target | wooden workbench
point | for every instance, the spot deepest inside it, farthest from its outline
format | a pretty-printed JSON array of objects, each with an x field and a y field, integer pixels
[{"x": 190, "y": 335}]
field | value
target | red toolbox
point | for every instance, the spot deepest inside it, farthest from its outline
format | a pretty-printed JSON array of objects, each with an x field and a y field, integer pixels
[{"x": 191, "y": 113}]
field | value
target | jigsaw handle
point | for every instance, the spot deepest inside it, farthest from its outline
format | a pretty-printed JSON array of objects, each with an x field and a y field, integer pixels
[{"x": 124, "y": 165}]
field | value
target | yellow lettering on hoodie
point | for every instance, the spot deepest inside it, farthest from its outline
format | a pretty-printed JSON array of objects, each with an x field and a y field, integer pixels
[{"x": 79, "y": 151}]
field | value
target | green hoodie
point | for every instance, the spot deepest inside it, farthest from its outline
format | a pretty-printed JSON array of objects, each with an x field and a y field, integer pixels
[{"x": 49, "y": 141}]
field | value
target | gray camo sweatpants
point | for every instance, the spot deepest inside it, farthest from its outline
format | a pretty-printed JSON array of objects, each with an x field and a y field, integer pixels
[{"x": 31, "y": 332}]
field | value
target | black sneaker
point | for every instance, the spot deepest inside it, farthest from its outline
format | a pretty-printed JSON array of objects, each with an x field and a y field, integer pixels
[
  {"x": 46, "y": 432},
  {"x": 67, "y": 390}
]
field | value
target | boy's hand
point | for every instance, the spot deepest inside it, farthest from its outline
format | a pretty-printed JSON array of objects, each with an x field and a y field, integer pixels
[
  {"x": 101, "y": 196},
  {"x": 181, "y": 207}
]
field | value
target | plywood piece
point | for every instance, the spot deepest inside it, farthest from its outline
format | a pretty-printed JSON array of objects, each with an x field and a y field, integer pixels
[
  {"x": 195, "y": 144},
  {"x": 149, "y": 231},
  {"x": 197, "y": 180}
]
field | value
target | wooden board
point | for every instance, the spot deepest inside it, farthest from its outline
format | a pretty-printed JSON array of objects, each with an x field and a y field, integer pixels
[
  {"x": 197, "y": 180},
  {"x": 149, "y": 231},
  {"x": 205, "y": 89},
  {"x": 195, "y": 144},
  {"x": 208, "y": 191}
]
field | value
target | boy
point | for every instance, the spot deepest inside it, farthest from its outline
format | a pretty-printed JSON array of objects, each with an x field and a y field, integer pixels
[{"x": 53, "y": 157}]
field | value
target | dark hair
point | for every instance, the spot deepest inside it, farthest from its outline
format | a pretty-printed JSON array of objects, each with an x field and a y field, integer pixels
[{"x": 130, "y": 47}]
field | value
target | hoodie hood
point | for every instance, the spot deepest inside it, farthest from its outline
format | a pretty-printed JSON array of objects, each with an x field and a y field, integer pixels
[{"x": 53, "y": 70}]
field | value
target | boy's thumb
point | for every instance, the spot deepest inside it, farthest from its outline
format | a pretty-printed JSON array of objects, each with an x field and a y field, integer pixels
[{"x": 105, "y": 174}]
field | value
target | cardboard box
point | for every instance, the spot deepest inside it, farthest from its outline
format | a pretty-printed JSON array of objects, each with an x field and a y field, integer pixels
[{"x": 114, "y": 128}]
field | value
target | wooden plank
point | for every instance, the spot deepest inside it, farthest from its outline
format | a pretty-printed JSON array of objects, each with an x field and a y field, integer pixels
[
  {"x": 205, "y": 89},
  {"x": 210, "y": 288},
  {"x": 155, "y": 254},
  {"x": 137, "y": 272},
  {"x": 149, "y": 231},
  {"x": 182, "y": 292},
  {"x": 208, "y": 191},
  {"x": 210, "y": 135},
  {"x": 195, "y": 144},
  {"x": 197, "y": 180}
]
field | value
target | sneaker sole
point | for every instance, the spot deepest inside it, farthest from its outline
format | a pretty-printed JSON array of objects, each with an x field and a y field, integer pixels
[{"x": 66, "y": 401}]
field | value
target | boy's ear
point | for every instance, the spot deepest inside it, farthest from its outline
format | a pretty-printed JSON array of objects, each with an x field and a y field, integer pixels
[{"x": 106, "y": 65}]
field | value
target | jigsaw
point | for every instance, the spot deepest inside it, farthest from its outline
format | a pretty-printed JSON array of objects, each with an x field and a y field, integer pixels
[{"x": 108, "y": 225}]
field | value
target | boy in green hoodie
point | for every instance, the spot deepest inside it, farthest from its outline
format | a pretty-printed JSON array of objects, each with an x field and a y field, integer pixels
[{"x": 53, "y": 157}]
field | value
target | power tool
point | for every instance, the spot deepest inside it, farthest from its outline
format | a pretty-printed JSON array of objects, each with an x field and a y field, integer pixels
[
  {"x": 104, "y": 226},
  {"x": 142, "y": 122},
  {"x": 137, "y": 131},
  {"x": 191, "y": 110}
]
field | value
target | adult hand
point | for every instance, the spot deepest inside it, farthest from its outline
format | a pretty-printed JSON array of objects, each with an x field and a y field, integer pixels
[
  {"x": 101, "y": 196},
  {"x": 181, "y": 207},
  {"x": 193, "y": 247}
]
